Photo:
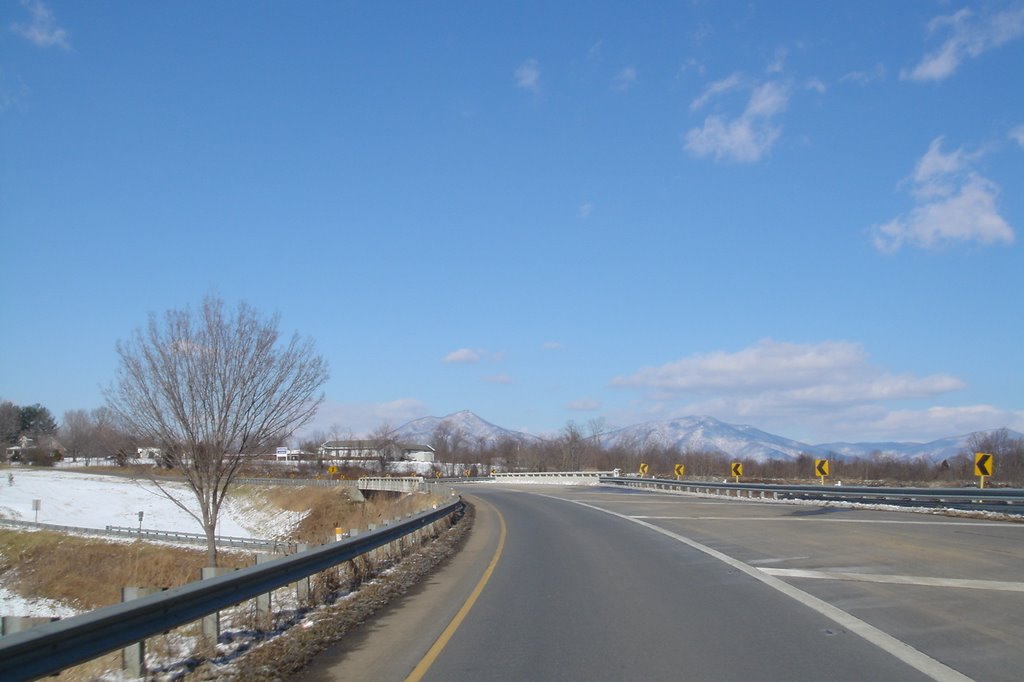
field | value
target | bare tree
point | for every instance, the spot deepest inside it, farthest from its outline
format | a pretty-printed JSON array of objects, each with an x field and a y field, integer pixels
[
  {"x": 385, "y": 442},
  {"x": 76, "y": 433},
  {"x": 571, "y": 445},
  {"x": 211, "y": 387},
  {"x": 440, "y": 440}
]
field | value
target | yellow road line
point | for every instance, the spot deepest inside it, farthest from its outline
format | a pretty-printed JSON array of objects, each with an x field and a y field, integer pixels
[{"x": 428, "y": 659}]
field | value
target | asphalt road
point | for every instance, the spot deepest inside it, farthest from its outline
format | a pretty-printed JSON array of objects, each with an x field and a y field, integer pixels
[{"x": 600, "y": 584}]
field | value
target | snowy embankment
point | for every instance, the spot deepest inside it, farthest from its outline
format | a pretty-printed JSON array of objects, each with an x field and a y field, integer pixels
[{"x": 70, "y": 498}]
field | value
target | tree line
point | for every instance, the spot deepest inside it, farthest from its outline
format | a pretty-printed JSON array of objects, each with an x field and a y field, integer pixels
[{"x": 575, "y": 449}]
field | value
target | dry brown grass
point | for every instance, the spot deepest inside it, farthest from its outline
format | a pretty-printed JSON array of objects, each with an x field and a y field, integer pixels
[
  {"x": 331, "y": 508},
  {"x": 88, "y": 573}
]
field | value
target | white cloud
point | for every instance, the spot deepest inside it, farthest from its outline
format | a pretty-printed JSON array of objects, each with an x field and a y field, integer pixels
[
  {"x": 955, "y": 205},
  {"x": 585, "y": 210},
  {"x": 502, "y": 379},
  {"x": 938, "y": 422},
  {"x": 712, "y": 90},
  {"x": 43, "y": 30},
  {"x": 970, "y": 37},
  {"x": 773, "y": 373},
  {"x": 767, "y": 100},
  {"x": 528, "y": 76},
  {"x": 462, "y": 356},
  {"x": 778, "y": 64},
  {"x": 746, "y": 138},
  {"x": 690, "y": 64},
  {"x": 828, "y": 391},
  {"x": 934, "y": 170},
  {"x": 552, "y": 345},
  {"x": 817, "y": 85},
  {"x": 344, "y": 420},
  {"x": 1017, "y": 134},
  {"x": 865, "y": 77},
  {"x": 624, "y": 79},
  {"x": 584, "y": 405},
  {"x": 13, "y": 91}
]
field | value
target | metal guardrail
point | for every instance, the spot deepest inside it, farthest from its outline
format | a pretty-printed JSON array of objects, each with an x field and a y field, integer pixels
[
  {"x": 50, "y": 648},
  {"x": 313, "y": 482},
  {"x": 279, "y": 546},
  {"x": 1005, "y": 500}
]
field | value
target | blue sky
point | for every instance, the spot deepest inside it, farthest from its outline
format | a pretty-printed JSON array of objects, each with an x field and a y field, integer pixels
[{"x": 804, "y": 218}]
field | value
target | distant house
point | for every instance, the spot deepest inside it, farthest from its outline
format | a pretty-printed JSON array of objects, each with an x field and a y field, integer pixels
[
  {"x": 290, "y": 455},
  {"x": 374, "y": 450},
  {"x": 15, "y": 453},
  {"x": 149, "y": 453}
]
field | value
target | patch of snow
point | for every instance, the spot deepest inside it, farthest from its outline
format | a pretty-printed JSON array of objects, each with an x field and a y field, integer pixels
[
  {"x": 73, "y": 498},
  {"x": 16, "y": 605}
]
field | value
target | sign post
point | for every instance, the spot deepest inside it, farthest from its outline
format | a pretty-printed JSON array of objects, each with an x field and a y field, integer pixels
[
  {"x": 141, "y": 514},
  {"x": 821, "y": 469},
  {"x": 737, "y": 470},
  {"x": 984, "y": 464},
  {"x": 36, "y": 504}
]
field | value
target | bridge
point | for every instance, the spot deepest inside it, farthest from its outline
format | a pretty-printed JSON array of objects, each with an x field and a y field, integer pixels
[{"x": 404, "y": 484}]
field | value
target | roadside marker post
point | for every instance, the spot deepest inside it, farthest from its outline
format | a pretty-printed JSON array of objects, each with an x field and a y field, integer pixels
[{"x": 984, "y": 464}]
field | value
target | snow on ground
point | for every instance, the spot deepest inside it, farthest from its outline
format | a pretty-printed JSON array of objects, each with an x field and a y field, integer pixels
[
  {"x": 68, "y": 498},
  {"x": 73, "y": 498},
  {"x": 16, "y": 605}
]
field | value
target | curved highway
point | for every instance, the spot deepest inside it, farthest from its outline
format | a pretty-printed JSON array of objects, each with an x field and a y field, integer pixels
[{"x": 600, "y": 584}]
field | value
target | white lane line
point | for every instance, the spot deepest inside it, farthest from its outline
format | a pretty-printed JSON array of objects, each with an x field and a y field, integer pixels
[
  {"x": 777, "y": 561},
  {"x": 901, "y": 650},
  {"x": 973, "y": 524},
  {"x": 897, "y": 579}
]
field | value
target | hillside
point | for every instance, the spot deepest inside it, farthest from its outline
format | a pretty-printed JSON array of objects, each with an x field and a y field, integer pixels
[
  {"x": 695, "y": 433},
  {"x": 472, "y": 428}
]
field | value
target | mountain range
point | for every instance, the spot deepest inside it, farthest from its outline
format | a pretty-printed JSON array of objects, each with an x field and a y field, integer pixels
[{"x": 695, "y": 433}]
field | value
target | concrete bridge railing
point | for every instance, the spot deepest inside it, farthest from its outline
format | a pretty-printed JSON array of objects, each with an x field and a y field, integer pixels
[
  {"x": 405, "y": 484},
  {"x": 553, "y": 477}
]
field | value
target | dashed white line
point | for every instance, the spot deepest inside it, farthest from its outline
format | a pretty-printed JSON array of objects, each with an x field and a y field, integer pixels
[
  {"x": 896, "y": 579},
  {"x": 972, "y": 524}
]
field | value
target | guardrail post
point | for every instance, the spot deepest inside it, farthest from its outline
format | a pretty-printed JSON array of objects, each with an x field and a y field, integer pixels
[
  {"x": 263, "y": 612},
  {"x": 302, "y": 586},
  {"x": 352, "y": 566},
  {"x": 211, "y": 622},
  {"x": 133, "y": 656},
  {"x": 372, "y": 555},
  {"x": 395, "y": 546}
]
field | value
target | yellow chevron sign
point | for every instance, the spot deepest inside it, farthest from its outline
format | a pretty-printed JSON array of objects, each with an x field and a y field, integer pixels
[
  {"x": 679, "y": 470},
  {"x": 737, "y": 469},
  {"x": 821, "y": 467},
  {"x": 643, "y": 469},
  {"x": 983, "y": 464}
]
